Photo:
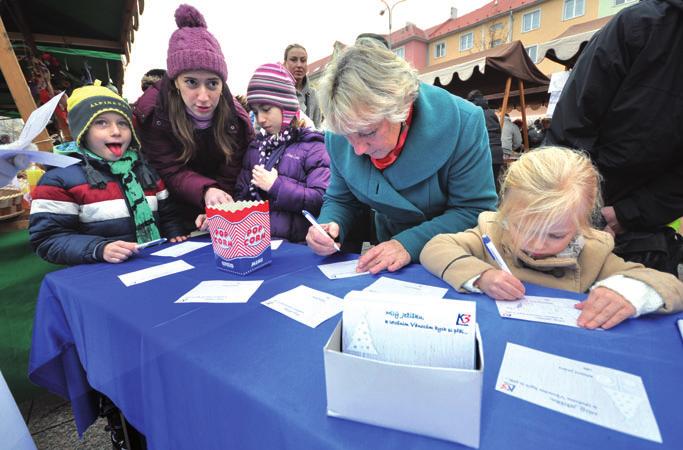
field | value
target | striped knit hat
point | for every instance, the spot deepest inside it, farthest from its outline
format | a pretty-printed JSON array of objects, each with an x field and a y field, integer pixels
[{"x": 272, "y": 84}]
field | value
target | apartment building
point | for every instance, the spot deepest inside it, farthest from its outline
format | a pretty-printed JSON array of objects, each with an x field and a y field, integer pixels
[
  {"x": 540, "y": 25},
  {"x": 533, "y": 22}
]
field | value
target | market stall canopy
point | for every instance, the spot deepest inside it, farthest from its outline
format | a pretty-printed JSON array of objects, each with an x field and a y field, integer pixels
[
  {"x": 566, "y": 48},
  {"x": 87, "y": 39},
  {"x": 487, "y": 71}
]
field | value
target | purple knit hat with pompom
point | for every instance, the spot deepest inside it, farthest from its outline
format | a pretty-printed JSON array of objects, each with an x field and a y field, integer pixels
[{"x": 192, "y": 47}]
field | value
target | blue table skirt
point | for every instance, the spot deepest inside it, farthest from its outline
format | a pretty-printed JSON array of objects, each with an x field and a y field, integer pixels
[{"x": 243, "y": 376}]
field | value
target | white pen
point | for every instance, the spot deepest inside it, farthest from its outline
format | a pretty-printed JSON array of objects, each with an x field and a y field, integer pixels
[
  {"x": 493, "y": 251},
  {"x": 151, "y": 243},
  {"x": 317, "y": 226}
]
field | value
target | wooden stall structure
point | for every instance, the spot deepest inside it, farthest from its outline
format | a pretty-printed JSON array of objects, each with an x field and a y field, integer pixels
[
  {"x": 61, "y": 44},
  {"x": 493, "y": 72}
]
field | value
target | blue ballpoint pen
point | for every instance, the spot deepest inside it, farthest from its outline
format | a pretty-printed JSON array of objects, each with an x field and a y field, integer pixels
[
  {"x": 151, "y": 243},
  {"x": 493, "y": 251},
  {"x": 317, "y": 226}
]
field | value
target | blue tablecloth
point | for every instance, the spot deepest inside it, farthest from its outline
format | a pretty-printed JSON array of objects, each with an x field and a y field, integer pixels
[{"x": 243, "y": 376}]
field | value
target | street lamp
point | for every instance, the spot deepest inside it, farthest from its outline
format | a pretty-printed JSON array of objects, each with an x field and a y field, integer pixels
[{"x": 389, "y": 10}]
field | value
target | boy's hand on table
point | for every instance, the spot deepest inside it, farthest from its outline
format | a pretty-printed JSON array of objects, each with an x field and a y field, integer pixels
[{"x": 119, "y": 251}]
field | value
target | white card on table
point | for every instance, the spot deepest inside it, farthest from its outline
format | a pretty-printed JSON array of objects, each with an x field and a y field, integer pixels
[
  {"x": 421, "y": 331},
  {"x": 274, "y": 245},
  {"x": 180, "y": 249},
  {"x": 392, "y": 286},
  {"x": 344, "y": 269},
  {"x": 680, "y": 327},
  {"x": 559, "y": 311},
  {"x": 221, "y": 291},
  {"x": 600, "y": 395},
  {"x": 140, "y": 276},
  {"x": 308, "y": 306}
]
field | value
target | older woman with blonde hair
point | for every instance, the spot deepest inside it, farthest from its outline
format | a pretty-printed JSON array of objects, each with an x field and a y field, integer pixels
[{"x": 413, "y": 153}]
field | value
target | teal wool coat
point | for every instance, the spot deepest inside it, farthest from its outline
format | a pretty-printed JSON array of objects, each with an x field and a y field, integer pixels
[{"x": 440, "y": 183}]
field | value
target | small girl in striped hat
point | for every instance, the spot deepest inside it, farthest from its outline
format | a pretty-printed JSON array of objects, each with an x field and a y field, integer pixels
[{"x": 287, "y": 164}]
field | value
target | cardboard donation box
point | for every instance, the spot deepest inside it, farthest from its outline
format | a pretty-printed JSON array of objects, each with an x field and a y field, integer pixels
[
  {"x": 371, "y": 387},
  {"x": 240, "y": 234}
]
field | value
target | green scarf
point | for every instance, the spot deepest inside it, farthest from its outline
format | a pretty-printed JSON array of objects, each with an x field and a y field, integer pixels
[{"x": 145, "y": 226}]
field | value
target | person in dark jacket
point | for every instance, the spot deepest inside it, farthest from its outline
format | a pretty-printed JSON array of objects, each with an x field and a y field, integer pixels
[
  {"x": 287, "y": 164},
  {"x": 493, "y": 128},
  {"x": 622, "y": 104},
  {"x": 103, "y": 207},
  {"x": 193, "y": 132}
]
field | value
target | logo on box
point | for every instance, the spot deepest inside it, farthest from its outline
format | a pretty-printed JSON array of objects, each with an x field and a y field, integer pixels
[
  {"x": 507, "y": 387},
  {"x": 463, "y": 319}
]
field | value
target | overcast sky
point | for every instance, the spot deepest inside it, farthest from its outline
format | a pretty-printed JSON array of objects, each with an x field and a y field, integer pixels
[{"x": 253, "y": 32}]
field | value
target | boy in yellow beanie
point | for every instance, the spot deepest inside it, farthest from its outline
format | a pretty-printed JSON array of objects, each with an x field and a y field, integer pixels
[{"x": 104, "y": 207}]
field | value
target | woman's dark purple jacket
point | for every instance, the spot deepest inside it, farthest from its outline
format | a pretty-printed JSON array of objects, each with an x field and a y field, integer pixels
[
  {"x": 188, "y": 182},
  {"x": 303, "y": 176}
]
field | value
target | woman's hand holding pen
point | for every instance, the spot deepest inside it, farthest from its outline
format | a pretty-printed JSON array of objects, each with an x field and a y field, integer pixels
[
  {"x": 320, "y": 243},
  {"x": 500, "y": 285}
]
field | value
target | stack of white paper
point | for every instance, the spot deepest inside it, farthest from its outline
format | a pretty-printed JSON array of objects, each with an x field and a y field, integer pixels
[
  {"x": 180, "y": 249},
  {"x": 306, "y": 305},
  {"x": 558, "y": 311},
  {"x": 392, "y": 286},
  {"x": 344, "y": 269},
  {"x": 607, "y": 397},
  {"x": 221, "y": 291},
  {"x": 414, "y": 331},
  {"x": 151, "y": 273}
]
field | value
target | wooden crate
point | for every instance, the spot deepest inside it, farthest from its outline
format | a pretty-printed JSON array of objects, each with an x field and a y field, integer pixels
[{"x": 10, "y": 203}]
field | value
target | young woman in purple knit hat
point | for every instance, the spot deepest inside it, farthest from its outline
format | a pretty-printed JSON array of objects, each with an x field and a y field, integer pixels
[
  {"x": 287, "y": 163},
  {"x": 194, "y": 133}
]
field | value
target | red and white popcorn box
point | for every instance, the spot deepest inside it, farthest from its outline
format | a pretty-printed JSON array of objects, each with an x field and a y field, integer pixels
[{"x": 240, "y": 234}]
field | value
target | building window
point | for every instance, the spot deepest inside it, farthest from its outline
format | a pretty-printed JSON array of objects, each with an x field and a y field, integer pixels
[
  {"x": 533, "y": 53},
  {"x": 400, "y": 52},
  {"x": 440, "y": 50},
  {"x": 573, "y": 8},
  {"x": 496, "y": 27},
  {"x": 531, "y": 21},
  {"x": 496, "y": 43},
  {"x": 466, "y": 41}
]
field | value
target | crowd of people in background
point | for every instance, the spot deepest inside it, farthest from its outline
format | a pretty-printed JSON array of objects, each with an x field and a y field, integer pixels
[{"x": 381, "y": 158}]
